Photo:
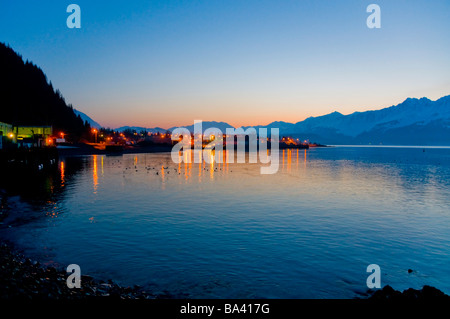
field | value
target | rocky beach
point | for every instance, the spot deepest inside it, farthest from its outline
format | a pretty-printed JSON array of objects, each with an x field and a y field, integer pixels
[{"x": 23, "y": 278}]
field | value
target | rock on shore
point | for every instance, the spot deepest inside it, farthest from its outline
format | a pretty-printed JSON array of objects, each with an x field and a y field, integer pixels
[
  {"x": 24, "y": 279},
  {"x": 426, "y": 293}
]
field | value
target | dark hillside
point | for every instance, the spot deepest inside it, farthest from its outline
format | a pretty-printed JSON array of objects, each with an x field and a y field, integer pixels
[{"x": 28, "y": 98}]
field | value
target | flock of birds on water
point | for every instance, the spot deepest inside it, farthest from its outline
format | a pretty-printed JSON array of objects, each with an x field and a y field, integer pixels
[{"x": 155, "y": 169}]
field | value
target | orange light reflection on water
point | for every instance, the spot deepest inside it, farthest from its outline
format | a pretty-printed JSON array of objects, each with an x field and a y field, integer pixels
[
  {"x": 63, "y": 169},
  {"x": 95, "y": 174}
]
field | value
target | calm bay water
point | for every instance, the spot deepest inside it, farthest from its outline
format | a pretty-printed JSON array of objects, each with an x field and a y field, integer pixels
[{"x": 226, "y": 231}]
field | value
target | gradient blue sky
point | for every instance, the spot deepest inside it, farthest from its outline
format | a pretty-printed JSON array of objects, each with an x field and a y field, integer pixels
[{"x": 166, "y": 63}]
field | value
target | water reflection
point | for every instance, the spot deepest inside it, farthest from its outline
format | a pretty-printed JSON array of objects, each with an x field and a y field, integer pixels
[
  {"x": 215, "y": 163},
  {"x": 353, "y": 175},
  {"x": 95, "y": 173},
  {"x": 179, "y": 225},
  {"x": 40, "y": 195},
  {"x": 62, "y": 169}
]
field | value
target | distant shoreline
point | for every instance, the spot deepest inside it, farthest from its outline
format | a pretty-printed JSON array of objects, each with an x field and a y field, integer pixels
[
  {"x": 394, "y": 146},
  {"x": 85, "y": 149}
]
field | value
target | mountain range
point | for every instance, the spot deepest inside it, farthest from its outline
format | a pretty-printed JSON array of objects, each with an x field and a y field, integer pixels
[
  {"x": 28, "y": 98},
  {"x": 412, "y": 122}
]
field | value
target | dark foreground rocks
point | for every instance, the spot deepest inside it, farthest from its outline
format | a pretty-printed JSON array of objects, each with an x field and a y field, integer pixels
[
  {"x": 427, "y": 293},
  {"x": 21, "y": 278}
]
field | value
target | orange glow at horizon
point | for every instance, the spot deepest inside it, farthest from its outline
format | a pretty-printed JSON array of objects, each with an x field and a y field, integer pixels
[{"x": 238, "y": 112}]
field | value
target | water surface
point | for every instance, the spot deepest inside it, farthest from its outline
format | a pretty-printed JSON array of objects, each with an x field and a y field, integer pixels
[{"x": 226, "y": 231}]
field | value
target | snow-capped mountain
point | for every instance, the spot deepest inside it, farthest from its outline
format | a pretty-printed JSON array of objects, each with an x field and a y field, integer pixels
[
  {"x": 85, "y": 118},
  {"x": 412, "y": 111},
  {"x": 412, "y": 122}
]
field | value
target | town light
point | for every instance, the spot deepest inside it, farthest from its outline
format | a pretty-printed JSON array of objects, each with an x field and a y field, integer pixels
[{"x": 95, "y": 132}]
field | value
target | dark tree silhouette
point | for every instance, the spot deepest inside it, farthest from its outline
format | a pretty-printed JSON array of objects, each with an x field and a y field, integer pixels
[{"x": 27, "y": 98}]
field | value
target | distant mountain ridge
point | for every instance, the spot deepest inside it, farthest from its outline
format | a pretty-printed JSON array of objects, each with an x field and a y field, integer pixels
[
  {"x": 412, "y": 122},
  {"x": 86, "y": 118},
  {"x": 208, "y": 124},
  {"x": 205, "y": 125},
  {"x": 140, "y": 129}
]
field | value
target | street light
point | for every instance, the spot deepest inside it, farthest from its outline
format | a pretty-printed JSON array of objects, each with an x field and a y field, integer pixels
[{"x": 95, "y": 132}]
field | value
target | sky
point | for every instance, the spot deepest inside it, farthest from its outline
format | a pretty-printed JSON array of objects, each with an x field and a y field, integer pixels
[{"x": 167, "y": 63}]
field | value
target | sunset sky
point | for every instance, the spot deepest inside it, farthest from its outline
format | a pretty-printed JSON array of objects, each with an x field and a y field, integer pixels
[{"x": 165, "y": 63}]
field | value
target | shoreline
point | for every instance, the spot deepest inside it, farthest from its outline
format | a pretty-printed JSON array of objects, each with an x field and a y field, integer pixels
[
  {"x": 85, "y": 149},
  {"x": 25, "y": 279}
]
